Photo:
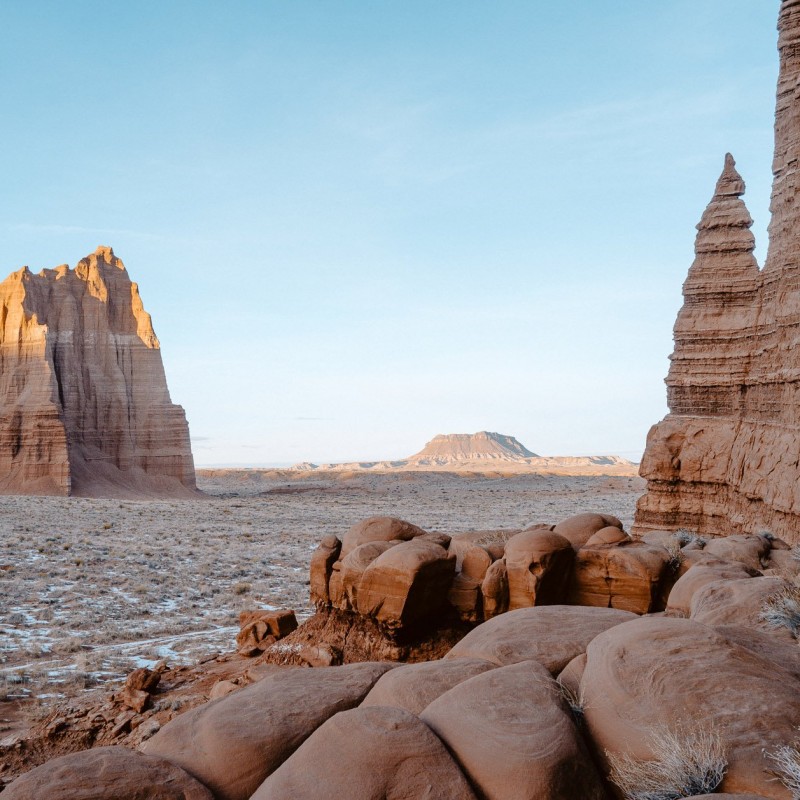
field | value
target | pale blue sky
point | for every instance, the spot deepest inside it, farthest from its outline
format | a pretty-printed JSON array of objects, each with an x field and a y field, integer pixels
[{"x": 359, "y": 224}]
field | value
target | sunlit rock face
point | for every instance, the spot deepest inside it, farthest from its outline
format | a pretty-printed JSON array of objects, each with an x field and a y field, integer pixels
[
  {"x": 726, "y": 459},
  {"x": 84, "y": 404}
]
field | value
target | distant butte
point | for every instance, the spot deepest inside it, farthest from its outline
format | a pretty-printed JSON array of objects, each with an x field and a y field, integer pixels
[
  {"x": 84, "y": 404},
  {"x": 482, "y": 446},
  {"x": 483, "y": 452}
]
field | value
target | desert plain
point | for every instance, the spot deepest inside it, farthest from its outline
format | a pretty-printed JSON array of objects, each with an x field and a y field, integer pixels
[{"x": 82, "y": 607}]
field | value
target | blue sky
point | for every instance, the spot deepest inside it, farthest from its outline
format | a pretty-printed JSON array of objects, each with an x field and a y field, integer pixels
[{"x": 360, "y": 224}]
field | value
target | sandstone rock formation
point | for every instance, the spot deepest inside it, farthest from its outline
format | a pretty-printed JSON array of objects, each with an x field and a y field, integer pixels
[
  {"x": 652, "y": 673},
  {"x": 233, "y": 744},
  {"x": 108, "y": 773},
  {"x": 526, "y": 704},
  {"x": 482, "y": 446},
  {"x": 724, "y": 460},
  {"x": 84, "y": 404}
]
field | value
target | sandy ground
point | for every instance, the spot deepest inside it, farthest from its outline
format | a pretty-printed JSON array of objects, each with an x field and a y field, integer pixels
[{"x": 90, "y": 589}]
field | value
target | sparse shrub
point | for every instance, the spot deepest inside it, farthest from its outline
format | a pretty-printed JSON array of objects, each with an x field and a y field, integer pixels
[
  {"x": 687, "y": 537},
  {"x": 673, "y": 547},
  {"x": 71, "y": 645},
  {"x": 241, "y": 588},
  {"x": 688, "y": 762},
  {"x": 683, "y": 536},
  {"x": 787, "y": 763},
  {"x": 782, "y": 609}
]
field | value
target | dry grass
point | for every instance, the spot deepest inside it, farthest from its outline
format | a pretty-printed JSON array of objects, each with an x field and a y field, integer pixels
[
  {"x": 688, "y": 762},
  {"x": 782, "y": 609},
  {"x": 787, "y": 766}
]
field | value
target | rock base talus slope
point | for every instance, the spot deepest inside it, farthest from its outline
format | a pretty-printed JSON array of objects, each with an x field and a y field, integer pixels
[
  {"x": 84, "y": 404},
  {"x": 726, "y": 458}
]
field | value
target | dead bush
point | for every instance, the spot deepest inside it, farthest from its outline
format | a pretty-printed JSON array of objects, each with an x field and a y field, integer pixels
[
  {"x": 688, "y": 762},
  {"x": 782, "y": 609},
  {"x": 787, "y": 762}
]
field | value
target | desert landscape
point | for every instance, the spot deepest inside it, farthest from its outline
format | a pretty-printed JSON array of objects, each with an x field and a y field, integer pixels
[
  {"x": 474, "y": 621},
  {"x": 83, "y": 608}
]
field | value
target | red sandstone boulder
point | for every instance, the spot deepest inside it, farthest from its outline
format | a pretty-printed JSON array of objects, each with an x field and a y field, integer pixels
[
  {"x": 739, "y": 602},
  {"x": 708, "y": 570},
  {"x": 656, "y": 673},
  {"x": 494, "y": 590},
  {"x": 352, "y": 568},
  {"x": 627, "y": 576},
  {"x": 414, "y": 686},
  {"x": 551, "y": 635},
  {"x": 747, "y": 549},
  {"x": 234, "y": 743},
  {"x": 570, "y": 676},
  {"x": 406, "y": 584},
  {"x": 260, "y": 628},
  {"x": 369, "y": 754},
  {"x": 322, "y": 561},
  {"x": 476, "y": 550},
  {"x": 378, "y": 529},
  {"x": 609, "y": 535},
  {"x": 784, "y": 563},
  {"x": 782, "y": 651},
  {"x": 107, "y": 773},
  {"x": 513, "y": 736},
  {"x": 464, "y": 595},
  {"x": 580, "y": 528},
  {"x": 539, "y": 567}
]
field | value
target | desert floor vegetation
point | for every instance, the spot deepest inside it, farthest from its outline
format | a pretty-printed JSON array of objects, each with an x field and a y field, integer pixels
[
  {"x": 782, "y": 609},
  {"x": 687, "y": 763},
  {"x": 787, "y": 767}
]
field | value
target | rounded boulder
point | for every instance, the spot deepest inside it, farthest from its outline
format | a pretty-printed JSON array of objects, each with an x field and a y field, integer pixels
[
  {"x": 551, "y": 635},
  {"x": 513, "y": 736},
  {"x": 232, "y": 744},
  {"x": 107, "y": 773},
  {"x": 367, "y": 754},
  {"x": 655, "y": 674}
]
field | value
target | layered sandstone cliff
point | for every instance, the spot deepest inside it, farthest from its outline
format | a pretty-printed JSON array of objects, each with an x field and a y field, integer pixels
[
  {"x": 726, "y": 459},
  {"x": 84, "y": 404}
]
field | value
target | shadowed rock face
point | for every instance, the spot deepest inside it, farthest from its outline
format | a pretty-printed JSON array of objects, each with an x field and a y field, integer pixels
[
  {"x": 84, "y": 404},
  {"x": 725, "y": 459}
]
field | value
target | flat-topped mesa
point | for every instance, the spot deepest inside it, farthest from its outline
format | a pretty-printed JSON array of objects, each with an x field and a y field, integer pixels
[
  {"x": 713, "y": 332},
  {"x": 84, "y": 404},
  {"x": 725, "y": 459},
  {"x": 481, "y": 446}
]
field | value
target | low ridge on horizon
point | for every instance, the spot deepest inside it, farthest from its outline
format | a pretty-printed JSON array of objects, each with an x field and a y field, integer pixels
[{"x": 484, "y": 451}]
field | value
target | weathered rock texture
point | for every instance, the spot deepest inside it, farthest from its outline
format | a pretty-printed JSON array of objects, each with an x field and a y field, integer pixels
[
  {"x": 725, "y": 459},
  {"x": 84, "y": 404}
]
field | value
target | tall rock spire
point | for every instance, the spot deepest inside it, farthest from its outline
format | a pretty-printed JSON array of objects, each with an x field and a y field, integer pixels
[
  {"x": 725, "y": 459},
  {"x": 720, "y": 295}
]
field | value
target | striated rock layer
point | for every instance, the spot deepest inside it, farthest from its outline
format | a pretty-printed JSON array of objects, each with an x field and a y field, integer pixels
[
  {"x": 726, "y": 459},
  {"x": 84, "y": 404}
]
